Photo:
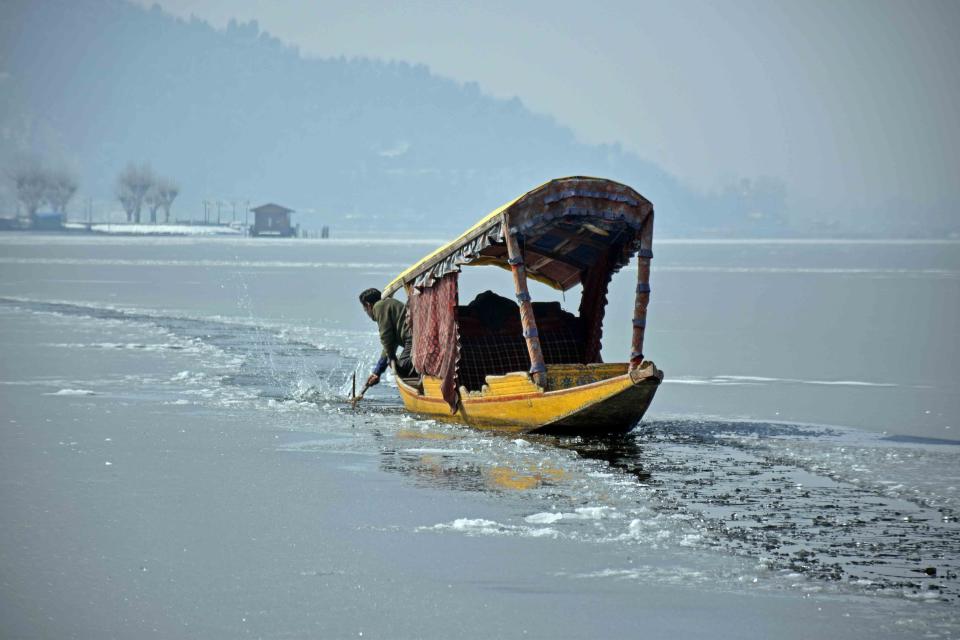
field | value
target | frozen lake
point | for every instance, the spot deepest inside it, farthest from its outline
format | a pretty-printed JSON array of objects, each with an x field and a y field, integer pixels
[{"x": 178, "y": 457}]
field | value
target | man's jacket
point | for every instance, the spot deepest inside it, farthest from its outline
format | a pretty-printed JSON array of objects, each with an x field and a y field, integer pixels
[{"x": 391, "y": 317}]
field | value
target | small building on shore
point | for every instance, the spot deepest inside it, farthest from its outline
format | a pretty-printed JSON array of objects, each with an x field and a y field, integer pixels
[
  {"x": 272, "y": 220},
  {"x": 11, "y": 224},
  {"x": 47, "y": 221}
]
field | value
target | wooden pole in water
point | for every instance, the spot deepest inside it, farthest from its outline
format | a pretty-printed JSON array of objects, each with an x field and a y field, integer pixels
[
  {"x": 538, "y": 370},
  {"x": 642, "y": 299},
  {"x": 353, "y": 389}
]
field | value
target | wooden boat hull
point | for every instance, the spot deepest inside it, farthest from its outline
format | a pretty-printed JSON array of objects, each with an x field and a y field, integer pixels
[{"x": 578, "y": 400}]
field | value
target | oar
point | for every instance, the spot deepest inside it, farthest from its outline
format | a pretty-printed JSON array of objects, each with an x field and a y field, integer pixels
[{"x": 354, "y": 398}]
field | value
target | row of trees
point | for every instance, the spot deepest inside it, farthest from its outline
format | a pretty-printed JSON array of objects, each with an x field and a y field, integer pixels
[
  {"x": 37, "y": 184},
  {"x": 139, "y": 186}
]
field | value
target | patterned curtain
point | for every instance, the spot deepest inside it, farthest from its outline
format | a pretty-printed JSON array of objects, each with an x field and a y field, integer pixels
[
  {"x": 436, "y": 347},
  {"x": 593, "y": 305}
]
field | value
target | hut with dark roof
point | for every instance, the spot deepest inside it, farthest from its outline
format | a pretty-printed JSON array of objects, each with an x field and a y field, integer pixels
[{"x": 272, "y": 220}]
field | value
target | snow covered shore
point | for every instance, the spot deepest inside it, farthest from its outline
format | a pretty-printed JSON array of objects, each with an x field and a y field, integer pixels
[{"x": 156, "y": 229}]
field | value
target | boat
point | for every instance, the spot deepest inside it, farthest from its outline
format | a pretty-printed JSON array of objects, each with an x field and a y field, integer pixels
[{"x": 527, "y": 366}]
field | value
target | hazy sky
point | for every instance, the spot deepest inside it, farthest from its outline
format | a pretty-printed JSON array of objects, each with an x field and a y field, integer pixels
[{"x": 850, "y": 101}]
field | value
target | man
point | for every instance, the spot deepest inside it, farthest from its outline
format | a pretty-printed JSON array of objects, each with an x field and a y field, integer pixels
[{"x": 391, "y": 318}]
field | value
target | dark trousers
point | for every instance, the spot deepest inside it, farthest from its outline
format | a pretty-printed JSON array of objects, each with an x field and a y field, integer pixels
[{"x": 405, "y": 360}]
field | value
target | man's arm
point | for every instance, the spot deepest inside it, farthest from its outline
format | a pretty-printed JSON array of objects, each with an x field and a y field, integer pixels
[
  {"x": 378, "y": 370},
  {"x": 387, "y": 321},
  {"x": 381, "y": 366},
  {"x": 388, "y": 339}
]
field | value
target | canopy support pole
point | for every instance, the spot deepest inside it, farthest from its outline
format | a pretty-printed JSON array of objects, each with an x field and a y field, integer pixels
[
  {"x": 642, "y": 299},
  {"x": 538, "y": 370}
]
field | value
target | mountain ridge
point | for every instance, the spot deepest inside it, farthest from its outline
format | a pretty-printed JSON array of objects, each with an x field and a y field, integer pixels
[{"x": 237, "y": 114}]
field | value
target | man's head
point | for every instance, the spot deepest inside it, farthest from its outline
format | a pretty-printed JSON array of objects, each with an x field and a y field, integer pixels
[{"x": 369, "y": 298}]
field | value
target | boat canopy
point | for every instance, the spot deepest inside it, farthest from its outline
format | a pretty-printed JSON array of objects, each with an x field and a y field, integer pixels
[{"x": 565, "y": 228}]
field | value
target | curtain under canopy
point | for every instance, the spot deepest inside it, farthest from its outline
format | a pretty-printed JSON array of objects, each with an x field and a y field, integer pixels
[{"x": 436, "y": 345}]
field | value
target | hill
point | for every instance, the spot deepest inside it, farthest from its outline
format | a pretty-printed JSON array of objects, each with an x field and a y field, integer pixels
[{"x": 236, "y": 113}]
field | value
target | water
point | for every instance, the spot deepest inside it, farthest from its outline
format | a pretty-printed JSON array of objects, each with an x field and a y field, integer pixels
[{"x": 179, "y": 457}]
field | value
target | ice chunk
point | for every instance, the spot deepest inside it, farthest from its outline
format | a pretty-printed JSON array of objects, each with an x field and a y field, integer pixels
[{"x": 544, "y": 518}]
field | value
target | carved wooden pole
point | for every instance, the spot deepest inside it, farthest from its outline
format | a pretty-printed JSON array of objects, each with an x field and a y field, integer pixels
[
  {"x": 538, "y": 370},
  {"x": 645, "y": 254}
]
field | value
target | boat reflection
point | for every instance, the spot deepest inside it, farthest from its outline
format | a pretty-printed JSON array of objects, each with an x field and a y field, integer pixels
[
  {"x": 532, "y": 478},
  {"x": 432, "y": 458},
  {"x": 450, "y": 471},
  {"x": 434, "y": 469},
  {"x": 619, "y": 451}
]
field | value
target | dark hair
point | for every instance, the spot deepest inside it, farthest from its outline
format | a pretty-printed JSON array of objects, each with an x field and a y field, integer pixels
[{"x": 370, "y": 296}]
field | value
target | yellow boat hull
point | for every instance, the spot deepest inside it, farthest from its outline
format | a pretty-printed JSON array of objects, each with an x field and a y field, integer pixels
[{"x": 578, "y": 399}]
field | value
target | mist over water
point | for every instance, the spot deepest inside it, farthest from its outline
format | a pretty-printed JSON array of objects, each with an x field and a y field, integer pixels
[{"x": 177, "y": 434}]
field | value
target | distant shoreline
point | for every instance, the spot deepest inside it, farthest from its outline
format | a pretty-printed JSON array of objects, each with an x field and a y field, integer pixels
[{"x": 391, "y": 237}]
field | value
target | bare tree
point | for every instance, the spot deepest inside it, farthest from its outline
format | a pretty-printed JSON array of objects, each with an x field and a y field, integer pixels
[
  {"x": 168, "y": 190},
  {"x": 153, "y": 200},
  {"x": 132, "y": 187},
  {"x": 60, "y": 187},
  {"x": 30, "y": 181},
  {"x": 127, "y": 200}
]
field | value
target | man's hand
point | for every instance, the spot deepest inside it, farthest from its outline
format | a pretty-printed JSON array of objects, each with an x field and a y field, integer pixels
[{"x": 373, "y": 380}]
